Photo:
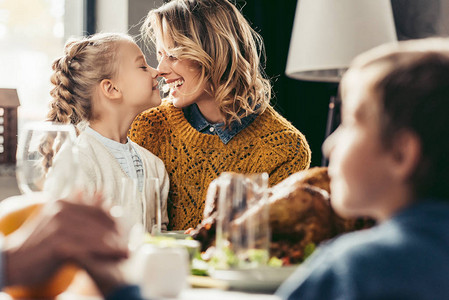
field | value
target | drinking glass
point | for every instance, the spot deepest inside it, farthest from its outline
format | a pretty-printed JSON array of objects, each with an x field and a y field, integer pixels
[
  {"x": 243, "y": 233},
  {"x": 47, "y": 159},
  {"x": 129, "y": 211},
  {"x": 152, "y": 199}
]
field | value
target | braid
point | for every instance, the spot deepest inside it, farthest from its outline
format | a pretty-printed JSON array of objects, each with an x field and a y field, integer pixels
[
  {"x": 64, "y": 108},
  {"x": 60, "y": 108},
  {"x": 46, "y": 149}
]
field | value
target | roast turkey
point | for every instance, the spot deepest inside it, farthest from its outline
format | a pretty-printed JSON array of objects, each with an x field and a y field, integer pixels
[{"x": 300, "y": 214}]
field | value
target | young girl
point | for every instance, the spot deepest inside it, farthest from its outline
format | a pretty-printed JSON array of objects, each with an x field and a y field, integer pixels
[
  {"x": 218, "y": 118},
  {"x": 95, "y": 83}
]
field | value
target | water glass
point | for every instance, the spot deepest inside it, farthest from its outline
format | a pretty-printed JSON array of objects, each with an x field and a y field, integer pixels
[
  {"x": 47, "y": 159},
  {"x": 243, "y": 233},
  {"x": 153, "y": 205},
  {"x": 129, "y": 209}
]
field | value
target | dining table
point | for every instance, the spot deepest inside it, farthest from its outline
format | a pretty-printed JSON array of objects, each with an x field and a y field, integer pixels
[
  {"x": 197, "y": 288},
  {"x": 186, "y": 294}
]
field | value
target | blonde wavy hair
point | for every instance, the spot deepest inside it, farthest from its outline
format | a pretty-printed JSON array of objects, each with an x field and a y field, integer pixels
[
  {"x": 84, "y": 64},
  {"x": 215, "y": 35}
]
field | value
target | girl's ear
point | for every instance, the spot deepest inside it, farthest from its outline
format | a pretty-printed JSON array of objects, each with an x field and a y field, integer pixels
[
  {"x": 406, "y": 153},
  {"x": 109, "y": 90}
]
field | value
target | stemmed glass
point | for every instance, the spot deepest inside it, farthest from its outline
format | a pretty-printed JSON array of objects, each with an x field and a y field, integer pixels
[{"x": 47, "y": 159}]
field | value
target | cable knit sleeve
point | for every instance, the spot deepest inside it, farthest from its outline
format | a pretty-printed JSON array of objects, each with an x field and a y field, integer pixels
[
  {"x": 284, "y": 149},
  {"x": 297, "y": 158},
  {"x": 150, "y": 127},
  {"x": 138, "y": 130}
]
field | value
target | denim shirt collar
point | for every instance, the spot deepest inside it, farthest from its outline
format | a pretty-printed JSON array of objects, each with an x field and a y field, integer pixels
[{"x": 197, "y": 120}]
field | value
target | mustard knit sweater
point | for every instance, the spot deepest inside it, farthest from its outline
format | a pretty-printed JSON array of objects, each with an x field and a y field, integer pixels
[{"x": 193, "y": 159}]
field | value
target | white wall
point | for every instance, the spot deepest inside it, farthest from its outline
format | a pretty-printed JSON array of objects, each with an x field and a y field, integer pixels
[
  {"x": 73, "y": 20},
  {"x": 125, "y": 16},
  {"x": 112, "y": 16},
  {"x": 137, "y": 11}
]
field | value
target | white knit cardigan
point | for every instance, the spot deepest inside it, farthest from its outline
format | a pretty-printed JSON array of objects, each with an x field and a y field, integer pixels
[{"x": 100, "y": 172}]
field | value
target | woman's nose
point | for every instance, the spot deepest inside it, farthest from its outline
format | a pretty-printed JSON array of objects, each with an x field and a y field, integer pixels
[{"x": 162, "y": 68}]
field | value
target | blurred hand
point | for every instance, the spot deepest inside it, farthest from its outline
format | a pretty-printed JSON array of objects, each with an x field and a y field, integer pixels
[
  {"x": 189, "y": 230},
  {"x": 62, "y": 232}
]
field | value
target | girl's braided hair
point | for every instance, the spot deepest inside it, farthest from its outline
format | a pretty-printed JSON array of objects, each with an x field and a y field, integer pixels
[{"x": 84, "y": 64}]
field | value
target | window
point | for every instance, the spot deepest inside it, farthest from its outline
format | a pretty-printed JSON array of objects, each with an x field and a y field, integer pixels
[
  {"x": 31, "y": 37},
  {"x": 1, "y": 131}
]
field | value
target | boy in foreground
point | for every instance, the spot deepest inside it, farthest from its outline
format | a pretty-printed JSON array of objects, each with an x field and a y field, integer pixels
[{"x": 389, "y": 160}]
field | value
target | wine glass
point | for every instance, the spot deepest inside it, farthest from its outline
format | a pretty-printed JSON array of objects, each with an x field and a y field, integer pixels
[{"x": 47, "y": 159}]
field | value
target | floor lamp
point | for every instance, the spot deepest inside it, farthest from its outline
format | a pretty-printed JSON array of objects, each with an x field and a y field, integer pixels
[{"x": 328, "y": 34}]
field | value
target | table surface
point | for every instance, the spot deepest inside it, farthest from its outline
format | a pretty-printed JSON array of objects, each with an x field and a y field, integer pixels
[
  {"x": 83, "y": 288},
  {"x": 187, "y": 294}
]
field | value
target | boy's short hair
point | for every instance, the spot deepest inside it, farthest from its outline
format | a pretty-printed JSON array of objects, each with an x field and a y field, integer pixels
[{"x": 411, "y": 82}]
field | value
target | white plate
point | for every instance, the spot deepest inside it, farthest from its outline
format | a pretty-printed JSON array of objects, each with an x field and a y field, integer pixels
[
  {"x": 177, "y": 234},
  {"x": 262, "y": 279}
]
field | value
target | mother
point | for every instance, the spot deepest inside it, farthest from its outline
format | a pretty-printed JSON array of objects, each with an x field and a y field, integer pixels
[{"x": 217, "y": 117}]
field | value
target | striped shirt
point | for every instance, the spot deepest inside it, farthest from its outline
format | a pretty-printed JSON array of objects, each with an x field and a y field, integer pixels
[{"x": 125, "y": 154}]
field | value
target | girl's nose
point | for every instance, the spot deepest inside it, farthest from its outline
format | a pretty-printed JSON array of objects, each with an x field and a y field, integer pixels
[{"x": 154, "y": 73}]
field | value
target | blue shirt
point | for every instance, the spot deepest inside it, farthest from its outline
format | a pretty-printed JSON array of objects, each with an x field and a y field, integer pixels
[
  {"x": 197, "y": 120},
  {"x": 406, "y": 257},
  {"x": 126, "y": 292}
]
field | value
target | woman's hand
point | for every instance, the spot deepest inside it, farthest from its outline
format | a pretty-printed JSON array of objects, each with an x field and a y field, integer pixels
[{"x": 189, "y": 230}]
